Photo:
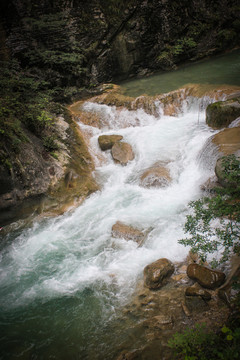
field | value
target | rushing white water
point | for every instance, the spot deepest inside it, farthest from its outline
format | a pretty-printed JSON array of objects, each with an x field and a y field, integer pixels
[
  {"x": 74, "y": 251},
  {"x": 64, "y": 279}
]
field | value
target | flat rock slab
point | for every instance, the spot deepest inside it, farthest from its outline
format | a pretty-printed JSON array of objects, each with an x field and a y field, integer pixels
[
  {"x": 122, "y": 152},
  {"x": 156, "y": 273},
  {"x": 207, "y": 278},
  {"x": 106, "y": 142},
  {"x": 127, "y": 232},
  {"x": 197, "y": 291},
  {"x": 156, "y": 177}
]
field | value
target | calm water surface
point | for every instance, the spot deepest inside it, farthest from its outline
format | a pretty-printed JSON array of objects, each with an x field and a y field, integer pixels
[{"x": 223, "y": 69}]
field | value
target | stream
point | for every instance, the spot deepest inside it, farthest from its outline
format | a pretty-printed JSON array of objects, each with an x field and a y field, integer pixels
[{"x": 65, "y": 281}]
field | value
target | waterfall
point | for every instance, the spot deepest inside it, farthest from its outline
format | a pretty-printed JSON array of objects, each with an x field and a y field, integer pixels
[{"x": 65, "y": 278}]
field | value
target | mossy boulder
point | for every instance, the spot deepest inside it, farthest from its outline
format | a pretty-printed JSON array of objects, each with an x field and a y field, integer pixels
[
  {"x": 227, "y": 171},
  {"x": 221, "y": 113},
  {"x": 106, "y": 142}
]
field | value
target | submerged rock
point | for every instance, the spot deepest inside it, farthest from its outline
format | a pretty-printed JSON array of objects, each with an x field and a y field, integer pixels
[
  {"x": 220, "y": 114},
  {"x": 106, "y": 142},
  {"x": 122, "y": 152},
  {"x": 156, "y": 273},
  {"x": 127, "y": 232},
  {"x": 206, "y": 277},
  {"x": 156, "y": 176}
]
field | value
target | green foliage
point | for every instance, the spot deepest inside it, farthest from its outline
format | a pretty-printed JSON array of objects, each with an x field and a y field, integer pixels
[
  {"x": 227, "y": 35},
  {"x": 55, "y": 50},
  {"x": 49, "y": 142},
  {"x": 183, "y": 46},
  {"x": 214, "y": 225},
  {"x": 231, "y": 170},
  {"x": 24, "y": 103},
  {"x": 201, "y": 344}
]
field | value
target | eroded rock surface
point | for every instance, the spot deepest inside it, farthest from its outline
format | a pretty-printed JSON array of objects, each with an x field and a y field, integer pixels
[{"x": 206, "y": 277}]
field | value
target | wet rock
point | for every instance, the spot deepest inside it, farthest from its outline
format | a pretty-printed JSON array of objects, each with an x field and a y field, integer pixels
[
  {"x": 131, "y": 355},
  {"x": 210, "y": 185},
  {"x": 120, "y": 230},
  {"x": 156, "y": 177},
  {"x": 223, "y": 172},
  {"x": 157, "y": 273},
  {"x": 159, "y": 322},
  {"x": 196, "y": 304},
  {"x": 220, "y": 114},
  {"x": 206, "y": 277},
  {"x": 196, "y": 290},
  {"x": 106, "y": 142},
  {"x": 228, "y": 141},
  {"x": 122, "y": 153}
]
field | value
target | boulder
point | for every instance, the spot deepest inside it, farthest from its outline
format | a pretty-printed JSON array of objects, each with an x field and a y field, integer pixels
[
  {"x": 106, "y": 142},
  {"x": 221, "y": 113},
  {"x": 156, "y": 176},
  {"x": 206, "y": 277},
  {"x": 122, "y": 152},
  {"x": 224, "y": 168},
  {"x": 120, "y": 230},
  {"x": 156, "y": 273}
]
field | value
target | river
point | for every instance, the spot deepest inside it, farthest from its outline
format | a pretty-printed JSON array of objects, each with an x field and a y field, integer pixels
[{"x": 64, "y": 281}]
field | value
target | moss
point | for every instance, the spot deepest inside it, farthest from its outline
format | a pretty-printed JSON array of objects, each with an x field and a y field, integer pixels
[{"x": 222, "y": 113}]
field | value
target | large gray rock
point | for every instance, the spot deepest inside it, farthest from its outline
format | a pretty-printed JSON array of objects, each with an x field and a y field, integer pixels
[
  {"x": 106, "y": 142},
  {"x": 122, "y": 152},
  {"x": 206, "y": 277},
  {"x": 156, "y": 273},
  {"x": 127, "y": 232}
]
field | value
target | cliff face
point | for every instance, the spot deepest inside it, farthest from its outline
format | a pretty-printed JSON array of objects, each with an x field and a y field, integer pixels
[{"x": 78, "y": 43}]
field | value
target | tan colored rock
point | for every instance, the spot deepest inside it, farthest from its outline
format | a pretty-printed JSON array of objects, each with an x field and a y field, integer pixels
[
  {"x": 197, "y": 290},
  {"x": 228, "y": 140},
  {"x": 156, "y": 273},
  {"x": 156, "y": 177},
  {"x": 120, "y": 230},
  {"x": 106, "y": 142},
  {"x": 206, "y": 277},
  {"x": 122, "y": 152}
]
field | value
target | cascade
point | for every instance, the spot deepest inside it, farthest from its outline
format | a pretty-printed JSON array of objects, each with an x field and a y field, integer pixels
[{"x": 63, "y": 280}]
